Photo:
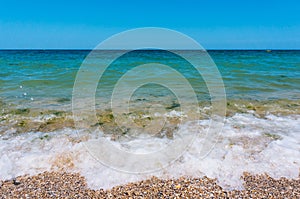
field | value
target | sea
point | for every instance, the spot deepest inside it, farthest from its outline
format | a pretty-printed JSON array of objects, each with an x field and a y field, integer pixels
[{"x": 40, "y": 92}]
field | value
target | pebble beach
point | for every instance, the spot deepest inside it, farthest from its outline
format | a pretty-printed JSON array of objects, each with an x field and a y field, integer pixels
[{"x": 72, "y": 185}]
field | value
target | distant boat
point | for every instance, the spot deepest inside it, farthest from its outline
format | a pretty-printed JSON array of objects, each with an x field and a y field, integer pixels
[{"x": 269, "y": 51}]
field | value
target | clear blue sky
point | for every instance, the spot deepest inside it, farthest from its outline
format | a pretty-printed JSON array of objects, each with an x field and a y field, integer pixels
[{"x": 215, "y": 24}]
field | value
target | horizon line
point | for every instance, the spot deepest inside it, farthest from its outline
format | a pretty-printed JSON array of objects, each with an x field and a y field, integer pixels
[{"x": 90, "y": 49}]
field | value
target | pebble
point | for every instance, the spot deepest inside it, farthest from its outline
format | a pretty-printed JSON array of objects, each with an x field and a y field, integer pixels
[{"x": 72, "y": 185}]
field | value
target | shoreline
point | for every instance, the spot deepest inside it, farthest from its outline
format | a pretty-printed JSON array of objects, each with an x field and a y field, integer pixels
[
  {"x": 256, "y": 145},
  {"x": 73, "y": 185},
  {"x": 25, "y": 120}
]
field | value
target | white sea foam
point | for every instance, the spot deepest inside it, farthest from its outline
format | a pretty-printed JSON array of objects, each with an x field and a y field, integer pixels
[{"x": 247, "y": 143}]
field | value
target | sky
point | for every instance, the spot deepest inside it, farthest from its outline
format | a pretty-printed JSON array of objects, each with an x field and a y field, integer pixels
[{"x": 215, "y": 24}]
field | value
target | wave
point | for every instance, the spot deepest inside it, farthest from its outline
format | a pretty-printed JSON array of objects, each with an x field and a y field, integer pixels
[{"x": 247, "y": 143}]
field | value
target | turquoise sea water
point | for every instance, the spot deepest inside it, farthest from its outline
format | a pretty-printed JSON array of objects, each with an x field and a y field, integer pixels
[
  {"x": 43, "y": 77},
  {"x": 260, "y": 132}
]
